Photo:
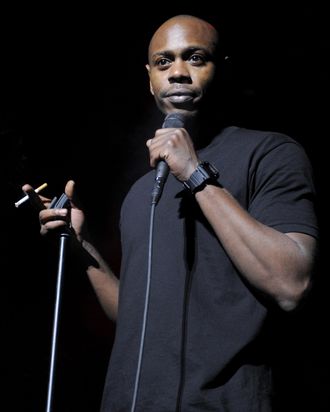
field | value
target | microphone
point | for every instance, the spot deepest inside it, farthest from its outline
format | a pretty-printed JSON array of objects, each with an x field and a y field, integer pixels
[{"x": 171, "y": 120}]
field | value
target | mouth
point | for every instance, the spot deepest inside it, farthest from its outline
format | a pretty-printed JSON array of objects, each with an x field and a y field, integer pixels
[{"x": 180, "y": 96}]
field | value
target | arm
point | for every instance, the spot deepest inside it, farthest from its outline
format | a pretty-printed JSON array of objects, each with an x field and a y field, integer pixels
[
  {"x": 103, "y": 280},
  {"x": 277, "y": 264}
]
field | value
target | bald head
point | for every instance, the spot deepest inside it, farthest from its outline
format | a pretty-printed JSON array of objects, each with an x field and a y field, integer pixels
[{"x": 202, "y": 30}]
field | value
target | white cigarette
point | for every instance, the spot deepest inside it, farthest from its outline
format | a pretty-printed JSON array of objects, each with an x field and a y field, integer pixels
[{"x": 25, "y": 198}]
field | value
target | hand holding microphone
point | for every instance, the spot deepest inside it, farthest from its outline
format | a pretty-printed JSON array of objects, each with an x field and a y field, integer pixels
[{"x": 171, "y": 149}]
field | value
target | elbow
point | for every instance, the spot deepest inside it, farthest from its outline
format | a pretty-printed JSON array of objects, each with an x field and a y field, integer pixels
[
  {"x": 287, "y": 304},
  {"x": 291, "y": 297},
  {"x": 297, "y": 278}
]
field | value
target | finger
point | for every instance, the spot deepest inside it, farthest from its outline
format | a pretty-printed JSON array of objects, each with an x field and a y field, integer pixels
[
  {"x": 69, "y": 189},
  {"x": 160, "y": 150},
  {"x": 51, "y": 215},
  {"x": 71, "y": 192},
  {"x": 34, "y": 198},
  {"x": 52, "y": 226}
]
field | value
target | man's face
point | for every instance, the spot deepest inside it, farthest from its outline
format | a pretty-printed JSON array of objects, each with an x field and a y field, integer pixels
[{"x": 181, "y": 65}]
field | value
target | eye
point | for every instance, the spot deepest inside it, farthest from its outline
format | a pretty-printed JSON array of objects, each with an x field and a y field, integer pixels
[
  {"x": 162, "y": 62},
  {"x": 197, "y": 59}
]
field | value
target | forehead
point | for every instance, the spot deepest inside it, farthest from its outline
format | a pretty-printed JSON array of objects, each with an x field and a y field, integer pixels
[{"x": 182, "y": 34}]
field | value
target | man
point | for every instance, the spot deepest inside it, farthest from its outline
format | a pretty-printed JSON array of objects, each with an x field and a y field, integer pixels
[{"x": 234, "y": 241}]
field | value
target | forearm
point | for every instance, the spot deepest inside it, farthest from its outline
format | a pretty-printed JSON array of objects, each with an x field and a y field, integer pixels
[
  {"x": 103, "y": 280},
  {"x": 275, "y": 263}
]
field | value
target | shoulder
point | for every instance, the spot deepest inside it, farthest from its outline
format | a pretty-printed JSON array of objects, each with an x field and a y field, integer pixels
[
  {"x": 254, "y": 142},
  {"x": 254, "y": 136}
]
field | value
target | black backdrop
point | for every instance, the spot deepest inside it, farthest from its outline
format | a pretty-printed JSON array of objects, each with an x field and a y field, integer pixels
[{"x": 75, "y": 104}]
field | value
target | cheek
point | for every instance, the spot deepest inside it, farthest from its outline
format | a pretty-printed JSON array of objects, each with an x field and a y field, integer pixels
[
  {"x": 155, "y": 85},
  {"x": 205, "y": 75},
  {"x": 204, "y": 80}
]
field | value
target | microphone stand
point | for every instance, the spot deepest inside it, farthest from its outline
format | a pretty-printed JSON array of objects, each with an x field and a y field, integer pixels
[{"x": 64, "y": 238}]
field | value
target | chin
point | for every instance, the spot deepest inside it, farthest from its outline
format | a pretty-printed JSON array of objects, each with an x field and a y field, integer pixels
[{"x": 187, "y": 112}]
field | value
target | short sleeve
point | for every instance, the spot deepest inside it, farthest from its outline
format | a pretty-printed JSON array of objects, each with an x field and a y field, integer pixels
[{"x": 283, "y": 193}]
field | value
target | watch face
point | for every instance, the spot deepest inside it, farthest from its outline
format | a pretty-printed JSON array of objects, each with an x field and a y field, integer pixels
[
  {"x": 204, "y": 172},
  {"x": 211, "y": 170}
]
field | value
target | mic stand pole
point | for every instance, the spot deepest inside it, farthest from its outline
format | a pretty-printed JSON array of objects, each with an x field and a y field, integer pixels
[{"x": 64, "y": 237}]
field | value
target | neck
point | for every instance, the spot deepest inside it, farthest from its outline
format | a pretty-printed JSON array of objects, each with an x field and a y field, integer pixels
[{"x": 204, "y": 128}]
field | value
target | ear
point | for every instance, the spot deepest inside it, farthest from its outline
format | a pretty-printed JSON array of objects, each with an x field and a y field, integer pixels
[{"x": 150, "y": 85}]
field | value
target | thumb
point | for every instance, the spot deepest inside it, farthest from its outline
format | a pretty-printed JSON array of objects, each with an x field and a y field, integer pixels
[{"x": 70, "y": 191}]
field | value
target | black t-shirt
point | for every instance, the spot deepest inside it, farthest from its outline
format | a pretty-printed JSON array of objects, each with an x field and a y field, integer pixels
[{"x": 206, "y": 336}]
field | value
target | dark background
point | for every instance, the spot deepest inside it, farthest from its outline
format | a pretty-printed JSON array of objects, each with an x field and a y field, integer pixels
[{"x": 75, "y": 103}]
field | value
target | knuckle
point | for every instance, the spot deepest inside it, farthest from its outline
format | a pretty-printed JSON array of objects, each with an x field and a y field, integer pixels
[{"x": 172, "y": 141}]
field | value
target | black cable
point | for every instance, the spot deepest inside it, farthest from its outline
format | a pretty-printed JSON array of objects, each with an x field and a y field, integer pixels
[
  {"x": 162, "y": 171},
  {"x": 146, "y": 305}
]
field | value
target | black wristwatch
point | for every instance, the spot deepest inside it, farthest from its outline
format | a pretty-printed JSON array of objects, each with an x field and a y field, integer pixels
[{"x": 204, "y": 173}]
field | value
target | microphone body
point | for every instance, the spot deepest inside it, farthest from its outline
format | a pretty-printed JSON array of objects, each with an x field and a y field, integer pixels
[{"x": 171, "y": 120}]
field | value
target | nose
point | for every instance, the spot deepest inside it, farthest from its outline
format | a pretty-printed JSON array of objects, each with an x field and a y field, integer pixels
[{"x": 179, "y": 72}]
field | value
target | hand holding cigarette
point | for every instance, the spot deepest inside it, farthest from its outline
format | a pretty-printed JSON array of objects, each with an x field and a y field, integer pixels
[{"x": 26, "y": 197}]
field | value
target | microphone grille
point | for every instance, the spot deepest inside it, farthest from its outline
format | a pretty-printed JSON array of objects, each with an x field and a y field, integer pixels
[{"x": 174, "y": 119}]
